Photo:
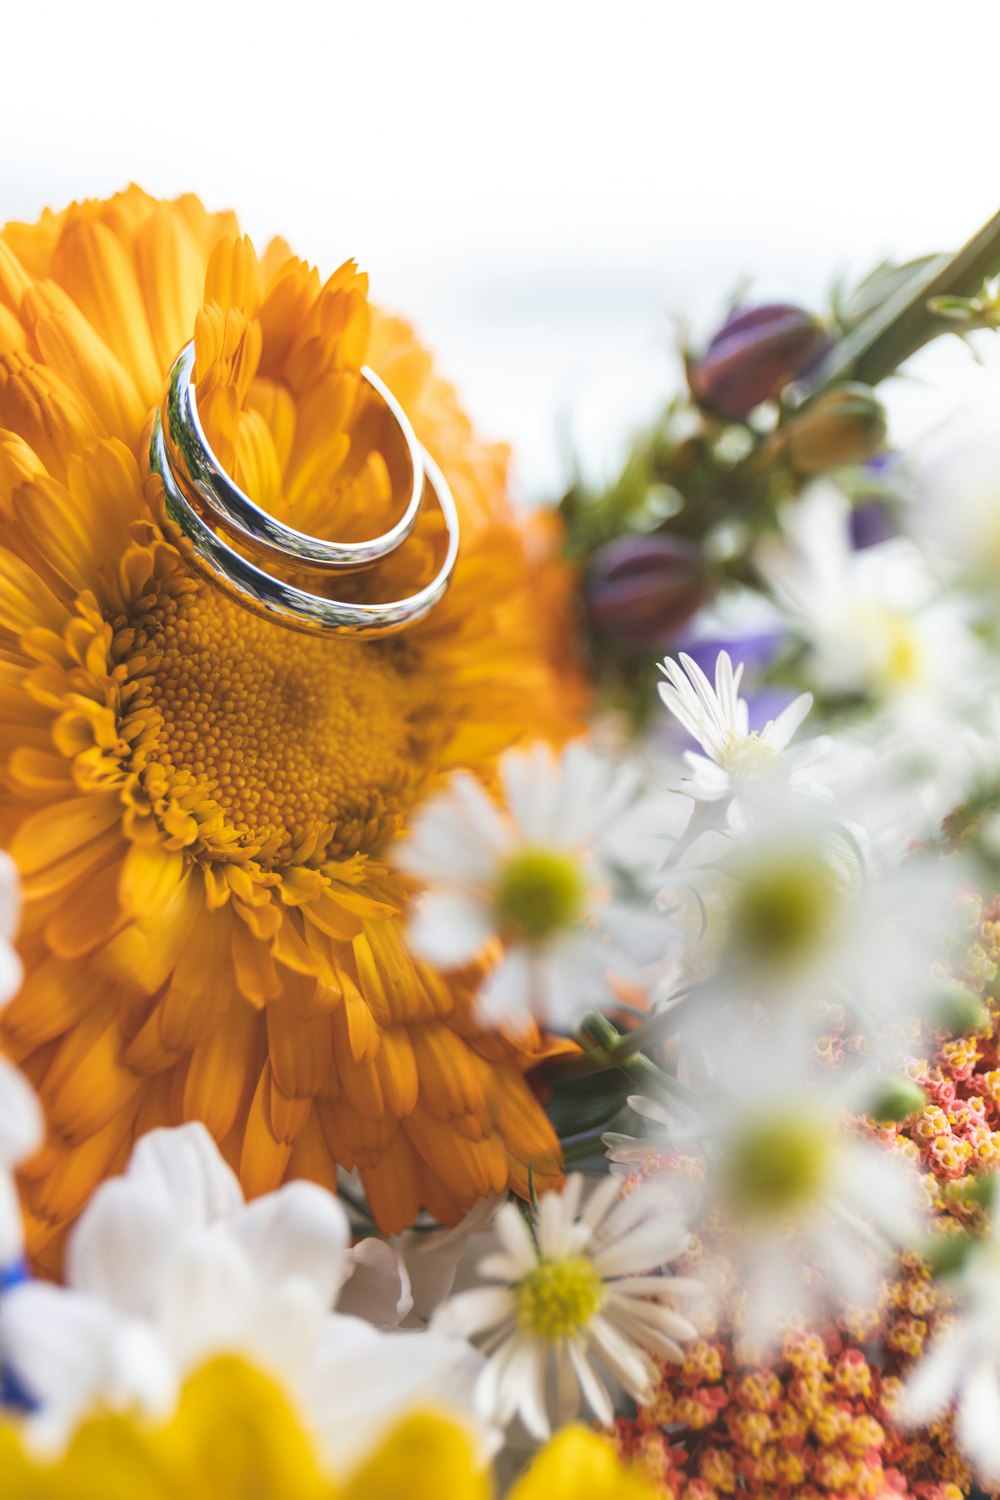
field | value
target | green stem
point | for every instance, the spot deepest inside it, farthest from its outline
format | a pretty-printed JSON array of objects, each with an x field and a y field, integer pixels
[
  {"x": 643, "y": 1073},
  {"x": 650, "y": 1032},
  {"x": 904, "y": 323}
]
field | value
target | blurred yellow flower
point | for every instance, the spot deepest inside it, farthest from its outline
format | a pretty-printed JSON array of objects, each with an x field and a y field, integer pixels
[
  {"x": 198, "y": 801},
  {"x": 234, "y": 1437}
]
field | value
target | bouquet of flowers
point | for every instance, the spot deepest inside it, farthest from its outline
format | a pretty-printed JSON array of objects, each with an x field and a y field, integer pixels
[{"x": 491, "y": 1004}]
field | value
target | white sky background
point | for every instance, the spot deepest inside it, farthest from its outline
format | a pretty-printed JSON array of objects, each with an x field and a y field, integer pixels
[{"x": 541, "y": 186}]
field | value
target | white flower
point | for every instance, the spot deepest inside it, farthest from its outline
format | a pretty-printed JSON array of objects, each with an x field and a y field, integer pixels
[
  {"x": 962, "y": 1366},
  {"x": 21, "y": 1132},
  {"x": 11, "y": 972},
  {"x": 954, "y": 472},
  {"x": 809, "y": 912},
  {"x": 810, "y": 1211},
  {"x": 21, "y": 1125},
  {"x": 532, "y": 873},
  {"x": 168, "y": 1266},
  {"x": 573, "y": 1300},
  {"x": 873, "y": 620},
  {"x": 738, "y": 763}
]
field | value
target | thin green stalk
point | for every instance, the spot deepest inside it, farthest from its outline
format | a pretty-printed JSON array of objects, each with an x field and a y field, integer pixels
[{"x": 904, "y": 322}]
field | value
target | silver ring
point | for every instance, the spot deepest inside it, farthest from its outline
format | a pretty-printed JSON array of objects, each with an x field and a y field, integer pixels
[
  {"x": 240, "y": 577},
  {"x": 200, "y": 473}
]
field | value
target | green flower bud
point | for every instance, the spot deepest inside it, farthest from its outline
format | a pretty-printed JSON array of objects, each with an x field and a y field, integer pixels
[
  {"x": 960, "y": 1010},
  {"x": 843, "y": 425},
  {"x": 895, "y": 1100},
  {"x": 946, "y": 1254}
]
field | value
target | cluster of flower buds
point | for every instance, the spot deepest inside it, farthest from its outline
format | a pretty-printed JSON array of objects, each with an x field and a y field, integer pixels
[{"x": 760, "y": 351}]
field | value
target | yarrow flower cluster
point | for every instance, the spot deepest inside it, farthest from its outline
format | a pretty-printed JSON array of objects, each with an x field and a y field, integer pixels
[{"x": 412, "y": 1047}]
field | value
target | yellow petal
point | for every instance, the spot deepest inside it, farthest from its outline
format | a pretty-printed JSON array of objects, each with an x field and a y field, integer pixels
[
  {"x": 91, "y": 263},
  {"x": 425, "y": 1458},
  {"x": 578, "y": 1465}
]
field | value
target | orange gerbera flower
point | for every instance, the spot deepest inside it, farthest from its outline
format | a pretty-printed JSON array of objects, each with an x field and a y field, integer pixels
[{"x": 200, "y": 801}]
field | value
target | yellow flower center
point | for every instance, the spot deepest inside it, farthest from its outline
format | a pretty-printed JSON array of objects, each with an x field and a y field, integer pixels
[
  {"x": 559, "y": 1297},
  {"x": 779, "y": 1163},
  {"x": 893, "y": 647},
  {"x": 782, "y": 908},
  {"x": 296, "y": 740},
  {"x": 748, "y": 755},
  {"x": 902, "y": 664},
  {"x": 540, "y": 892}
]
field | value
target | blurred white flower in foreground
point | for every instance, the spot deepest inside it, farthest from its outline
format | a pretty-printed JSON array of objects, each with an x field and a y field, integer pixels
[
  {"x": 21, "y": 1133},
  {"x": 874, "y": 621},
  {"x": 810, "y": 1211},
  {"x": 961, "y": 1369},
  {"x": 532, "y": 873},
  {"x": 954, "y": 473},
  {"x": 738, "y": 763},
  {"x": 576, "y": 1293},
  {"x": 21, "y": 1124},
  {"x": 11, "y": 971},
  {"x": 806, "y": 913},
  {"x": 168, "y": 1265}
]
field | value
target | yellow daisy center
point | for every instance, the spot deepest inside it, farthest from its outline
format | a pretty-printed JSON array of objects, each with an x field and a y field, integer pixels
[
  {"x": 778, "y": 1164},
  {"x": 782, "y": 908},
  {"x": 539, "y": 893},
  {"x": 748, "y": 755},
  {"x": 559, "y": 1297},
  {"x": 293, "y": 738}
]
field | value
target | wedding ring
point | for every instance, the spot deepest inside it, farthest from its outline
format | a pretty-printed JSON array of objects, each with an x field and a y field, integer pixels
[
  {"x": 198, "y": 470},
  {"x": 200, "y": 495}
]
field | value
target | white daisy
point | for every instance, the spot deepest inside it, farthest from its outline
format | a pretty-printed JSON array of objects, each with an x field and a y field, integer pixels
[
  {"x": 809, "y": 1211},
  {"x": 738, "y": 763},
  {"x": 874, "y": 621},
  {"x": 532, "y": 872},
  {"x": 571, "y": 1301},
  {"x": 168, "y": 1266},
  {"x": 961, "y": 1369},
  {"x": 808, "y": 912}
]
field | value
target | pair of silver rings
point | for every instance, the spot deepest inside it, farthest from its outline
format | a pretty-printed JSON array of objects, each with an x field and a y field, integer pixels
[{"x": 201, "y": 500}]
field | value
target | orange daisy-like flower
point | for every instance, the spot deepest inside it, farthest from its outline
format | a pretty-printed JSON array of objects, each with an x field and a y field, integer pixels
[{"x": 199, "y": 801}]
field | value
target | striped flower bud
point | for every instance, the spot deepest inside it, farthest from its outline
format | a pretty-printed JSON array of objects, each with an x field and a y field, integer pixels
[
  {"x": 754, "y": 355},
  {"x": 642, "y": 589}
]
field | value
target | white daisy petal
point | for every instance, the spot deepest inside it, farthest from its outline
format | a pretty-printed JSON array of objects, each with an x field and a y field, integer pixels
[
  {"x": 627, "y": 1363},
  {"x": 185, "y": 1167},
  {"x": 515, "y": 1236},
  {"x": 931, "y": 1385},
  {"x": 300, "y": 1230},
  {"x": 641, "y": 1249},
  {"x": 532, "y": 1405},
  {"x": 977, "y": 1421},
  {"x": 21, "y": 1124},
  {"x": 448, "y": 928},
  {"x": 475, "y": 1311},
  {"x": 122, "y": 1247},
  {"x": 595, "y": 1392}
]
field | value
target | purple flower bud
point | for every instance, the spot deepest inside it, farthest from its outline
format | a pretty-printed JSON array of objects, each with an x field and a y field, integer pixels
[
  {"x": 871, "y": 523},
  {"x": 642, "y": 589},
  {"x": 754, "y": 355}
]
